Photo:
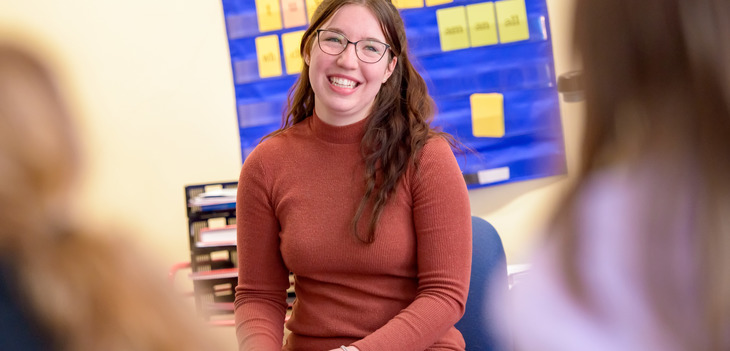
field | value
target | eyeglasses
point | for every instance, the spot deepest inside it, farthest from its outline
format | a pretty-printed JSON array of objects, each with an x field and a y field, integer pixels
[{"x": 334, "y": 43}]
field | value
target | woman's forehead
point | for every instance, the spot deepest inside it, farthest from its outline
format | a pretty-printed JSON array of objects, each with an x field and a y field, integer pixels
[{"x": 356, "y": 22}]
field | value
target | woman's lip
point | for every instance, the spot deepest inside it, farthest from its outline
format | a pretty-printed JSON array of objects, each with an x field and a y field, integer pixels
[{"x": 343, "y": 91}]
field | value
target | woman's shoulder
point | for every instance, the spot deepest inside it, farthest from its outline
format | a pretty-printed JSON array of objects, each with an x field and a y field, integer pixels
[
  {"x": 437, "y": 147},
  {"x": 608, "y": 210},
  {"x": 435, "y": 160},
  {"x": 616, "y": 189},
  {"x": 278, "y": 143}
]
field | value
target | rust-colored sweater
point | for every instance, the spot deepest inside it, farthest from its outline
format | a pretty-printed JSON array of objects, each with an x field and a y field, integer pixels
[{"x": 297, "y": 195}]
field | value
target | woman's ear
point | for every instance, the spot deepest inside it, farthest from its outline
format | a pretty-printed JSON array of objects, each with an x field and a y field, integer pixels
[
  {"x": 389, "y": 70},
  {"x": 306, "y": 59}
]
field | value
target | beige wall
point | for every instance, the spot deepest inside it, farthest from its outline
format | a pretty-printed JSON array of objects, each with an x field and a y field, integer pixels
[{"x": 151, "y": 84}]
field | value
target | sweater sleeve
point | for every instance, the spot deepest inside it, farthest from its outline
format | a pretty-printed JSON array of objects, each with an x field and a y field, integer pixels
[
  {"x": 442, "y": 221},
  {"x": 260, "y": 301}
]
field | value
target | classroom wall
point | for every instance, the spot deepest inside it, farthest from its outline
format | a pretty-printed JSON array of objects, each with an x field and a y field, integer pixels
[{"x": 150, "y": 82}]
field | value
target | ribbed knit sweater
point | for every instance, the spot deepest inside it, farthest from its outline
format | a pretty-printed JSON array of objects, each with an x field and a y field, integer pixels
[{"x": 297, "y": 195}]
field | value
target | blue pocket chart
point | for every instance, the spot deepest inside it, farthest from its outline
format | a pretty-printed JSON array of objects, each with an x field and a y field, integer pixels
[{"x": 488, "y": 64}]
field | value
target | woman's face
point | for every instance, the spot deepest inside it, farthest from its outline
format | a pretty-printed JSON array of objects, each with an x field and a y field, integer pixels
[{"x": 344, "y": 86}]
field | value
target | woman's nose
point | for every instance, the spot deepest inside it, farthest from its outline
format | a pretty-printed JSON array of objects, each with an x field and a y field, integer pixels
[{"x": 348, "y": 58}]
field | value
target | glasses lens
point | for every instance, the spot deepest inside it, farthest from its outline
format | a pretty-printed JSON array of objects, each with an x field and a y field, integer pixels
[
  {"x": 332, "y": 43},
  {"x": 370, "y": 51}
]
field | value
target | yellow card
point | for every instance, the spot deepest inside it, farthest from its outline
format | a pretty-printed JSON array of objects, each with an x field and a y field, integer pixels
[
  {"x": 269, "y": 14},
  {"x": 487, "y": 115},
  {"x": 437, "y": 2},
  {"x": 294, "y": 13},
  {"x": 482, "y": 25},
  {"x": 267, "y": 51},
  {"x": 512, "y": 19},
  {"x": 452, "y": 28},
  {"x": 408, "y": 4},
  {"x": 311, "y": 6},
  {"x": 292, "y": 58}
]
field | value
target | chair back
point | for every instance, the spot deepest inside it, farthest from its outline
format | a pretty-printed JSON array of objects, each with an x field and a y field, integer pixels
[{"x": 488, "y": 277}]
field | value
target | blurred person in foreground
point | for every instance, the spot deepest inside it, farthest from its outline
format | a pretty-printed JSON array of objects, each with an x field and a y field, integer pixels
[
  {"x": 637, "y": 255},
  {"x": 63, "y": 287}
]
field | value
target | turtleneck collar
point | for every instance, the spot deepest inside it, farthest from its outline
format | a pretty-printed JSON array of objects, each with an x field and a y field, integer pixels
[{"x": 349, "y": 134}]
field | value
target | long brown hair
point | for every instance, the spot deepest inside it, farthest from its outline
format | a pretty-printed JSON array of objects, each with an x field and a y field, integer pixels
[
  {"x": 399, "y": 123},
  {"x": 85, "y": 290},
  {"x": 657, "y": 84}
]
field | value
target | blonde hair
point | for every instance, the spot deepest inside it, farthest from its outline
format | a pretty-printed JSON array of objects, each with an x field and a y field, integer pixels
[{"x": 84, "y": 290}]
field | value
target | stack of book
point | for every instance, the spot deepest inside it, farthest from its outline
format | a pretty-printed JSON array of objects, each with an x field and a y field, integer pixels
[
  {"x": 215, "y": 199},
  {"x": 222, "y": 236}
]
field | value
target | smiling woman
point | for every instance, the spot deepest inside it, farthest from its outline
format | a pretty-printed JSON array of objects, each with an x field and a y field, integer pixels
[{"x": 358, "y": 197}]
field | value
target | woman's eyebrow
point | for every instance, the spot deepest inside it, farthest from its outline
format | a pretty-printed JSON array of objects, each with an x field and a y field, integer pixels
[{"x": 338, "y": 30}]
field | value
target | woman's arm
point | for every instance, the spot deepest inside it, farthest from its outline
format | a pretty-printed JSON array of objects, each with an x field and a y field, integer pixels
[
  {"x": 260, "y": 303},
  {"x": 442, "y": 221}
]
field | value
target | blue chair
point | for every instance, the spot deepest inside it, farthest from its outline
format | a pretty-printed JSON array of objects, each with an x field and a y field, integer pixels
[{"x": 488, "y": 275}]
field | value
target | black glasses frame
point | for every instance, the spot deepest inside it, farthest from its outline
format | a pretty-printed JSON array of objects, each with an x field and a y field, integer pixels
[{"x": 354, "y": 43}]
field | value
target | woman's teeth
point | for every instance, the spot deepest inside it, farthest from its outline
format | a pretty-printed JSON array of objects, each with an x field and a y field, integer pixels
[{"x": 342, "y": 82}]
